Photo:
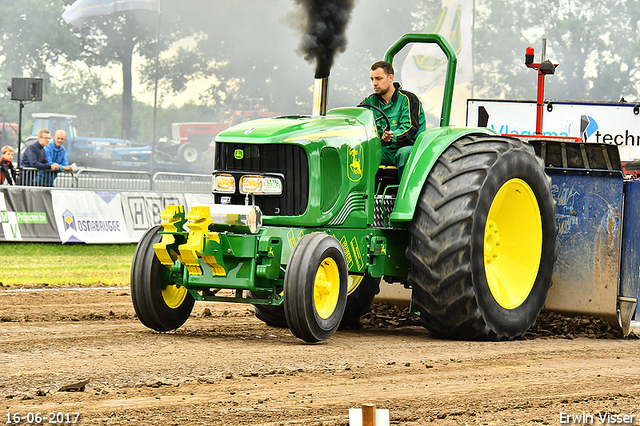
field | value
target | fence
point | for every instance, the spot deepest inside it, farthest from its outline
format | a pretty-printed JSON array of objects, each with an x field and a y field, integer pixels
[{"x": 116, "y": 180}]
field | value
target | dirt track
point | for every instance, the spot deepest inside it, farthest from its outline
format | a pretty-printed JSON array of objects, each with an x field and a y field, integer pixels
[{"x": 224, "y": 367}]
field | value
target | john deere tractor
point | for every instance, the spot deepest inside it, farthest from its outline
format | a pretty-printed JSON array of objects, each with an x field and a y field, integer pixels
[{"x": 305, "y": 223}]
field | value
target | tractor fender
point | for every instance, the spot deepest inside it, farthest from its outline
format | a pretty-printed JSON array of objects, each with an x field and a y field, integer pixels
[{"x": 426, "y": 151}]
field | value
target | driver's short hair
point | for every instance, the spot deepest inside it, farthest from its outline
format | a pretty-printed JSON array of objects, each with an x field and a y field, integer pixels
[{"x": 386, "y": 67}]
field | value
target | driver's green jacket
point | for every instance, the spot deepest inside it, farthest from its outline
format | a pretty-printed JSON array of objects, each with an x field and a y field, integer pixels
[{"x": 405, "y": 114}]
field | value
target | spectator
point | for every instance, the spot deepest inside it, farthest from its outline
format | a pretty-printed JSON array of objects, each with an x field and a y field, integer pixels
[
  {"x": 7, "y": 171},
  {"x": 34, "y": 156},
  {"x": 55, "y": 151}
]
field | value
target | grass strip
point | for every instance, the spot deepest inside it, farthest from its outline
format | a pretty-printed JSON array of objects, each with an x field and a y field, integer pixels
[{"x": 79, "y": 264}]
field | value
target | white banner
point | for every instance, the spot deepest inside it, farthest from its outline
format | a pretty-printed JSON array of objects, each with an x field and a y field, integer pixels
[
  {"x": 90, "y": 217},
  {"x": 142, "y": 210},
  {"x": 597, "y": 122},
  {"x": 425, "y": 66}
]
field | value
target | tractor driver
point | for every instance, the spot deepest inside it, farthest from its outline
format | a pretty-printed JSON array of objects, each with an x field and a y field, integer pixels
[{"x": 405, "y": 113}]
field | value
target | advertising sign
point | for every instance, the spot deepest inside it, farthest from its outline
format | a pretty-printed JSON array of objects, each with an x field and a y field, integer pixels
[
  {"x": 27, "y": 215},
  {"x": 90, "y": 217},
  {"x": 614, "y": 123}
]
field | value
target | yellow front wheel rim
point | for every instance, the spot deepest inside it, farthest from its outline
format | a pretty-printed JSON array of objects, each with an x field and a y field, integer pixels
[
  {"x": 326, "y": 288},
  {"x": 173, "y": 295},
  {"x": 512, "y": 243}
]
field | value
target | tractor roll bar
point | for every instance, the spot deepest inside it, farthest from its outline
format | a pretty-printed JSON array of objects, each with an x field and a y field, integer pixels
[{"x": 452, "y": 62}]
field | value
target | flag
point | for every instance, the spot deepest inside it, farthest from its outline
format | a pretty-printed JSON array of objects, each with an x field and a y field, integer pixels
[
  {"x": 425, "y": 65},
  {"x": 83, "y": 9}
]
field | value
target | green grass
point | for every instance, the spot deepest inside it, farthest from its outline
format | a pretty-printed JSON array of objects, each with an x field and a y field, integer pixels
[{"x": 39, "y": 263}]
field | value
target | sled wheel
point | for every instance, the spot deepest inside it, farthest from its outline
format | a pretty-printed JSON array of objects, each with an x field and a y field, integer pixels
[
  {"x": 360, "y": 293},
  {"x": 159, "y": 304},
  {"x": 315, "y": 287},
  {"x": 188, "y": 153},
  {"x": 482, "y": 241},
  {"x": 271, "y": 315}
]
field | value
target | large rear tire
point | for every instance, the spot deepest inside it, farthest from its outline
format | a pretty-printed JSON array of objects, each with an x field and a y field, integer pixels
[
  {"x": 159, "y": 304},
  {"x": 315, "y": 287},
  {"x": 482, "y": 241}
]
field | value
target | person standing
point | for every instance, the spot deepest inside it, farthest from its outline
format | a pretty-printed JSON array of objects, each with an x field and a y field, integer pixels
[
  {"x": 34, "y": 156},
  {"x": 405, "y": 113},
  {"x": 7, "y": 171},
  {"x": 56, "y": 152}
]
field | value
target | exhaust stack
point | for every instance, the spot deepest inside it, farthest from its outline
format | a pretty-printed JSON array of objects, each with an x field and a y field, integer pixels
[{"x": 320, "y": 93}]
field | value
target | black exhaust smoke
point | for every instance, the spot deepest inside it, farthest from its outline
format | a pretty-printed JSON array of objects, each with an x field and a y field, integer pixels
[{"x": 324, "y": 32}]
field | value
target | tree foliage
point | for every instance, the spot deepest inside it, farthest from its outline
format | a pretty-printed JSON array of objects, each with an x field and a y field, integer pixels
[
  {"x": 593, "y": 41},
  {"x": 243, "y": 53},
  {"x": 114, "y": 39},
  {"x": 33, "y": 39}
]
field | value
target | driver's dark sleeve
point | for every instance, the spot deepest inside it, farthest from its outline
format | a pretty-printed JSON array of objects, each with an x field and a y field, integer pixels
[{"x": 409, "y": 125}]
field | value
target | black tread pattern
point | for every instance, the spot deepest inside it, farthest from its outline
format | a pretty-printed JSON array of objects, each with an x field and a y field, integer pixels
[
  {"x": 146, "y": 288},
  {"x": 299, "y": 278},
  {"x": 441, "y": 234}
]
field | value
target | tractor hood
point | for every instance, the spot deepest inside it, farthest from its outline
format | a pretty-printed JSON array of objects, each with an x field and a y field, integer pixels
[{"x": 340, "y": 122}]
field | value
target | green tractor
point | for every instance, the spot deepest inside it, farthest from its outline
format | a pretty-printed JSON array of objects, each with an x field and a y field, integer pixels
[{"x": 305, "y": 224}]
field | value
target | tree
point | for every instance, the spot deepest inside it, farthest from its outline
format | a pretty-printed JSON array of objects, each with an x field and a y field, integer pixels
[
  {"x": 256, "y": 56},
  {"x": 114, "y": 38},
  {"x": 34, "y": 37},
  {"x": 593, "y": 41}
]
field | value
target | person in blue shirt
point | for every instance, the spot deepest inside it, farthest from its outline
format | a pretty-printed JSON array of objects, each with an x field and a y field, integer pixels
[
  {"x": 35, "y": 156},
  {"x": 56, "y": 153}
]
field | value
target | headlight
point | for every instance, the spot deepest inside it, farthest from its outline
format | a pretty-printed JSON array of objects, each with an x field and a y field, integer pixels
[
  {"x": 271, "y": 185},
  {"x": 256, "y": 184},
  {"x": 251, "y": 184},
  {"x": 224, "y": 183}
]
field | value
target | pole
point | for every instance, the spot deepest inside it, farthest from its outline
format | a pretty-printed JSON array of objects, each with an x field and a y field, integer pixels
[
  {"x": 155, "y": 101},
  {"x": 368, "y": 415},
  {"x": 473, "y": 41},
  {"x": 21, "y": 105}
]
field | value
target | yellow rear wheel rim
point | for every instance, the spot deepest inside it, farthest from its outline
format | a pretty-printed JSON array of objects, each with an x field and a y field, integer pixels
[
  {"x": 512, "y": 243},
  {"x": 173, "y": 295},
  {"x": 326, "y": 288}
]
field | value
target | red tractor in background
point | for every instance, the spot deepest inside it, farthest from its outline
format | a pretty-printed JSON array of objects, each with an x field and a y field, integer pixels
[{"x": 192, "y": 142}]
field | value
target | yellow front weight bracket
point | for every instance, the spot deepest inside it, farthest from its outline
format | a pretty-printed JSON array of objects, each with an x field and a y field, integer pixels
[
  {"x": 189, "y": 251},
  {"x": 172, "y": 221},
  {"x": 214, "y": 261}
]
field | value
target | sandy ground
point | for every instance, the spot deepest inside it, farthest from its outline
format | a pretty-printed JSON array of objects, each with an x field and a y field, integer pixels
[{"x": 83, "y": 351}]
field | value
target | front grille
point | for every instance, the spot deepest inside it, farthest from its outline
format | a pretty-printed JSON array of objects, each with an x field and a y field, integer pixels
[{"x": 287, "y": 160}]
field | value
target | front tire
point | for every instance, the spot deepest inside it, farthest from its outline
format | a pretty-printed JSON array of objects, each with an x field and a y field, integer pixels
[
  {"x": 159, "y": 305},
  {"x": 315, "y": 287},
  {"x": 482, "y": 244}
]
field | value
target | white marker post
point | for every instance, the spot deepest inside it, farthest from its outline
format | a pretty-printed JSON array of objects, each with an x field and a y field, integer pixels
[{"x": 368, "y": 416}]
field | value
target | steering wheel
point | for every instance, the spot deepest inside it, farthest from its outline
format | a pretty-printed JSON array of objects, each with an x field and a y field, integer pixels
[{"x": 384, "y": 116}]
